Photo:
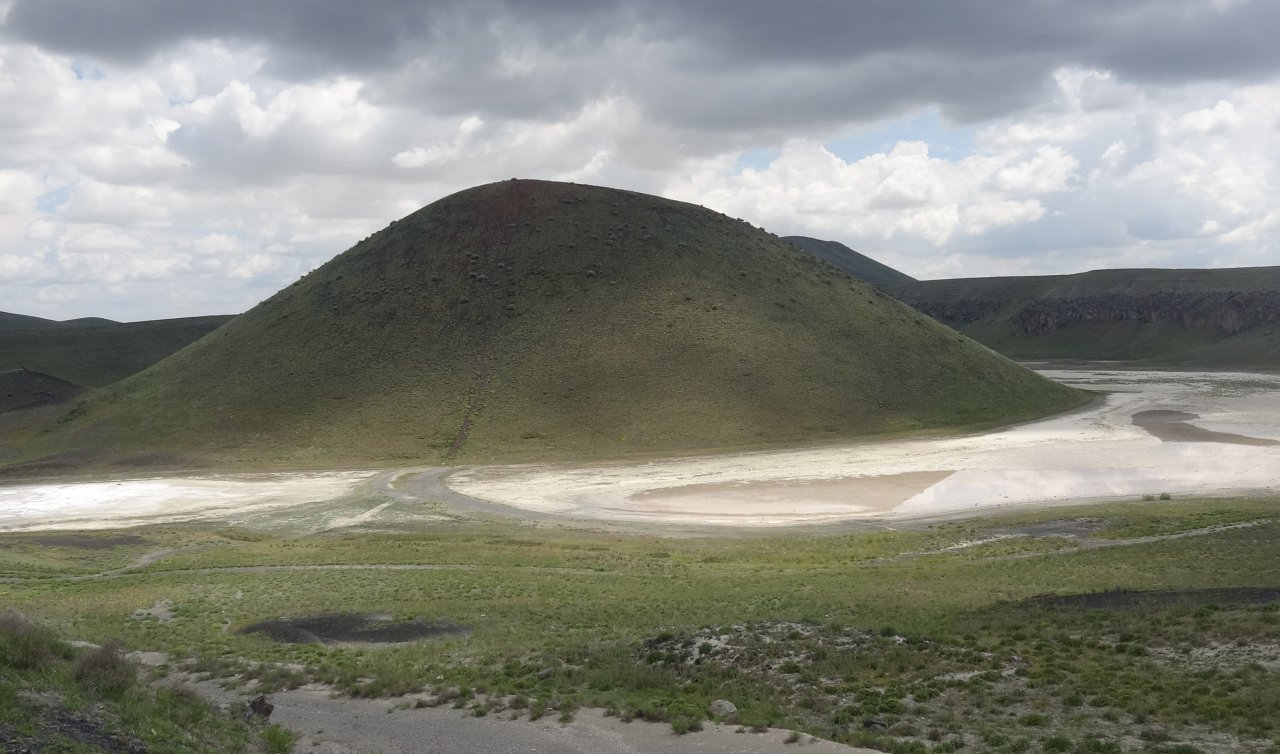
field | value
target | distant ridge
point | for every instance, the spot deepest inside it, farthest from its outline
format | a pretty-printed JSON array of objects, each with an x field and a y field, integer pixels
[
  {"x": 858, "y": 265},
  {"x": 88, "y": 322},
  {"x": 537, "y": 320},
  {"x": 1206, "y": 317},
  {"x": 95, "y": 352},
  {"x": 10, "y": 321}
]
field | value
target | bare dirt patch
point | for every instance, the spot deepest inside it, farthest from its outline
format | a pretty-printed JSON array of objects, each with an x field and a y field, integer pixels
[
  {"x": 1220, "y": 656},
  {"x": 353, "y": 628},
  {"x": 1074, "y": 527}
]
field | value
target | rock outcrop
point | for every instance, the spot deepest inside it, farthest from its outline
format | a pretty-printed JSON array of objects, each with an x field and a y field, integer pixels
[{"x": 1226, "y": 317}]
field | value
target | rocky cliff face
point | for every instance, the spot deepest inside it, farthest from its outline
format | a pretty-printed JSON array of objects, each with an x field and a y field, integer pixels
[
  {"x": 1220, "y": 313},
  {"x": 1067, "y": 315}
]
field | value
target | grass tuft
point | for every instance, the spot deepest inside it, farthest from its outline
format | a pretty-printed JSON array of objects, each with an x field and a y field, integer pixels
[{"x": 106, "y": 670}]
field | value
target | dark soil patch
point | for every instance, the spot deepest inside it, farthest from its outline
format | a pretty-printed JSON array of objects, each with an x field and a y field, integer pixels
[
  {"x": 57, "y": 727},
  {"x": 80, "y": 460},
  {"x": 1245, "y": 595},
  {"x": 1075, "y": 527},
  {"x": 56, "y": 462},
  {"x": 1171, "y": 426},
  {"x": 87, "y": 541},
  {"x": 362, "y": 628}
]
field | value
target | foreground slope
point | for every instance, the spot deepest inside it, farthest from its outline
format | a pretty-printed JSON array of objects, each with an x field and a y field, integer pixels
[
  {"x": 1226, "y": 317},
  {"x": 529, "y": 319},
  {"x": 847, "y": 260},
  {"x": 94, "y": 352}
]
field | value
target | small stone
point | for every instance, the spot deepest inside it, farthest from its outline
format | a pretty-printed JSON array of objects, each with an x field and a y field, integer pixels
[
  {"x": 722, "y": 708},
  {"x": 261, "y": 707}
]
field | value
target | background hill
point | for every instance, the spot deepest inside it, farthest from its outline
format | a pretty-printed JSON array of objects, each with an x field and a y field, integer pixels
[
  {"x": 10, "y": 321},
  {"x": 24, "y": 388},
  {"x": 847, "y": 260},
  {"x": 529, "y": 319},
  {"x": 95, "y": 352},
  {"x": 1227, "y": 317}
]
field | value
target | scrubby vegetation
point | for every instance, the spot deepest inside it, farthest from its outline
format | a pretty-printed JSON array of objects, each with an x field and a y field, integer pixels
[
  {"x": 1142, "y": 627},
  {"x": 56, "y": 698}
]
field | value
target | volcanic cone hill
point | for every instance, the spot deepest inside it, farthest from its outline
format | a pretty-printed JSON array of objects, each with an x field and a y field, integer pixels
[
  {"x": 847, "y": 260},
  {"x": 1223, "y": 317},
  {"x": 529, "y": 319}
]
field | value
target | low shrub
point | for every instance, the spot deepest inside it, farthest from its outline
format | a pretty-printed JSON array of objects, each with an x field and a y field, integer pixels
[
  {"x": 106, "y": 670},
  {"x": 278, "y": 740},
  {"x": 25, "y": 644}
]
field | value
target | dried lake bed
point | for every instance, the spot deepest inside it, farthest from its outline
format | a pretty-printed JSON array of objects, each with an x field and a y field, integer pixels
[
  {"x": 1152, "y": 432},
  {"x": 1195, "y": 433}
]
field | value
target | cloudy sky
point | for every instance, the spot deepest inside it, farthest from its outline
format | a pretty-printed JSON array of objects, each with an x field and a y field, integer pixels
[{"x": 165, "y": 158}]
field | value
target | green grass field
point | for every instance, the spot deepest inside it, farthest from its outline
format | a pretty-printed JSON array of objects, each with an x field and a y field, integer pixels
[{"x": 939, "y": 638}]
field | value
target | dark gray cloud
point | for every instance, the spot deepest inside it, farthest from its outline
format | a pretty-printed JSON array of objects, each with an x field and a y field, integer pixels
[
  {"x": 702, "y": 64},
  {"x": 233, "y": 144}
]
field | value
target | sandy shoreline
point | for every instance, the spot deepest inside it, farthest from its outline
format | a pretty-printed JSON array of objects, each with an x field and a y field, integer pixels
[
  {"x": 97, "y": 505},
  {"x": 1184, "y": 433},
  {"x": 1099, "y": 453}
]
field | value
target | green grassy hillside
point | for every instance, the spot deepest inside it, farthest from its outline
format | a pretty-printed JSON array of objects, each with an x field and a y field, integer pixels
[
  {"x": 529, "y": 319},
  {"x": 1227, "y": 317},
  {"x": 24, "y": 388},
  {"x": 847, "y": 260},
  {"x": 90, "y": 353}
]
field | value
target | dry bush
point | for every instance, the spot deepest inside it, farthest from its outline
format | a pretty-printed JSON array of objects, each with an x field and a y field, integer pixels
[
  {"x": 106, "y": 670},
  {"x": 25, "y": 644}
]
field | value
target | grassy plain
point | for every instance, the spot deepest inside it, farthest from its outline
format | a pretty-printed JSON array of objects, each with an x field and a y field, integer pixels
[{"x": 930, "y": 638}]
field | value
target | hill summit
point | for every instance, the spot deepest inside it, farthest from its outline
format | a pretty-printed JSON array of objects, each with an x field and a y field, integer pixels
[{"x": 532, "y": 319}]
